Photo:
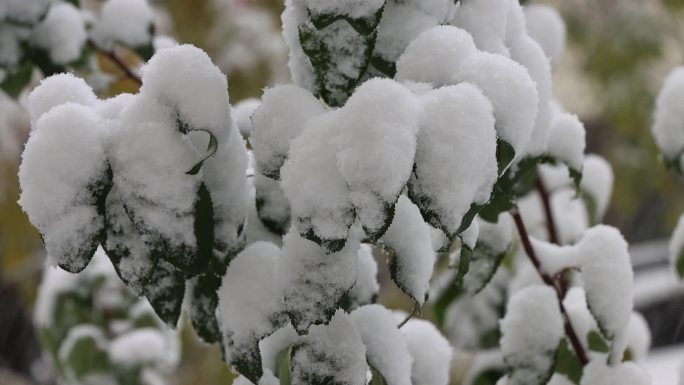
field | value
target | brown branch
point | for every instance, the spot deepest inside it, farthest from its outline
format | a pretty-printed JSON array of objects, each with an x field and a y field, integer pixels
[
  {"x": 549, "y": 281},
  {"x": 111, "y": 55},
  {"x": 548, "y": 214}
]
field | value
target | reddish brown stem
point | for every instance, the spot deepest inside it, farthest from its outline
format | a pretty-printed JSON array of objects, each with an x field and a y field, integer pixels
[
  {"x": 548, "y": 214},
  {"x": 549, "y": 281},
  {"x": 111, "y": 55}
]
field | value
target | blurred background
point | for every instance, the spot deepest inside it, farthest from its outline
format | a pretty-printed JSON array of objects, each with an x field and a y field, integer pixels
[{"x": 618, "y": 53}]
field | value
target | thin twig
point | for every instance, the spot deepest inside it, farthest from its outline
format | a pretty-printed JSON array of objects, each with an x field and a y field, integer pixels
[
  {"x": 548, "y": 214},
  {"x": 117, "y": 60},
  {"x": 549, "y": 281},
  {"x": 415, "y": 312}
]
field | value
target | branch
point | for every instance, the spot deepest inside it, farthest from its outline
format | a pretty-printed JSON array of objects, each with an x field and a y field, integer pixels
[
  {"x": 549, "y": 281},
  {"x": 117, "y": 60},
  {"x": 548, "y": 214}
]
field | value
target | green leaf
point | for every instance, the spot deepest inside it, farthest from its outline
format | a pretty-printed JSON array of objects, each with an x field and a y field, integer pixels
[
  {"x": 165, "y": 292},
  {"x": 504, "y": 154},
  {"x": 15, "y": 82},
  {"x": 679, "y": 264},
  {"x": 489, "y": 376},
  {"x": 484, "y": 263},
  {"x": 567, "y": 363},
  {"x": 211, "y": 150},
  {"x": 284, "y": 366},
  {"x": 377, "y": 377},
  {"x": 87, "y": 357},
  {"x": 203, "y": 304},
  {"x": 597, "y": 343},
  {"x": 463, "y": 264}
]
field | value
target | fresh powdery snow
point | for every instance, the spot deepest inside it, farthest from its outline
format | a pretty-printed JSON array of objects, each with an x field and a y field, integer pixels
[
  {"x": 366, "y": 288},
  {"x": 529, "y": 342},
  {"x": 61, "y": 34},
  {"x": 486, "y": 21},
  {"x": 352, "y": 8},
  {"x": 597, "y": 372},
  {"x": 546, "y": 26},
  {"x": 386, "y": 348},
  {"x": 668, "y": 118},
  {"x": 435, "y": 55},
  {"x": 431, "y": 353},
  {"x": 57, "y": 90},
  {"x": 146, "y": 346},
  {"x": 128, "y": 22},
  {"x": 242, "y": 115},
  {"x": 281, "y": 117},
  {"x": 597, "y": 183},
  {"x": 456, "y": 129},
  {"x": 567, "y": 140},
  {"x": 375, "y": 147},
  {"x": 330, "y": 354}
]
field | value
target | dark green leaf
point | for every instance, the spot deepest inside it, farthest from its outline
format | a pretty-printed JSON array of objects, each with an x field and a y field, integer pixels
[
  {"x": 597, "y": 343},
  {"x": 15, "y": 82},
  {"x": 87, "y": 357},
  {"x": 203, "y": 304},
  {"x": 489, "y": 376},
  {"x": 567, "y": 363},
  {"x": 679, "y": 264},
  {"x": 165, "y": 292}
]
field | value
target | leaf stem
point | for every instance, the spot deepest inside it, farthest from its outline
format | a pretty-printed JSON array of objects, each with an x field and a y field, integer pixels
[
  {"x": 548, "y": 213},
  {"x": 549, "y": 281},
  {"x": 128, "y": 72},
  {"x": 416, "y": 311}
]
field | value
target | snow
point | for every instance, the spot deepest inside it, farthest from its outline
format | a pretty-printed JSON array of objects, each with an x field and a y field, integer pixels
[
  {"x": 375, "y": 145},
  {"x": 529, "y": 343},
  {"x": 332, "y": 353},
  {"x": 573, "y": 211},
  {"x": 242, "y": 114},
  {"x": 414, "y": 259},
  {"x": 65, "y": 156},
  {"x": 597, "y": 183},
  {"x": 54, "y": 282},
  {"x": 667, "y": 118},
  {"x": 366, "y": 287},
  {"x": 435, "y": 55},
  {"x": 313, "y": 283},
  {"x": 352, "y": 8},
  {"x": 626, "y": 373},
  {"x": 128, "y": 22},
  {"x": 580, "y": 317},
  {"x": 272, "y": 206},
  {"x": 666, "y": 366},
  {"x": 676, "y": 246},
  {"x": 638, "y": 337},
  {"x": 301, "y": 70},
  {"x": 185, "y": 79},
  {"x": 10, "y": 50},
  {"x": 249, "y": 301},
  {"x": 57, "y": 90},
  {"x": 431, "y": 353},
  {"x": 281, "y": 117},
  {"x": 317, "y": 192},
  {"x": 146, "y": 346},
  {"x": 79, "y": 333},
  {"x": 386, "y": 348},
  {"x": 61, "y": 34},
  {"x": 510, "y": 89},
  {"x": 275, "y": 344},
  {"x": 567, "y": 140},
  {"x": 25, "y": 11},
  {"x": 486, "y": 21},
  {"x": 545, "y": 25},
  {"x": 493, "y": 241},
  {"x": 456, "y": 129}
]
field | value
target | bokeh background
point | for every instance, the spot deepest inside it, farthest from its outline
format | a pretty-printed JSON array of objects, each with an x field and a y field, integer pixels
[{"x": 618, "y": 53}]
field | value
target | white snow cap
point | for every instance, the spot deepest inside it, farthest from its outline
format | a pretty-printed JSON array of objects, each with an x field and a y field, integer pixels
[
  {"x": 597, "y": 183},
  {"x": 62, "y": 33},
  {"x": 435, "y": 55},
  {"x": 567, "y": 140},
  {"x": 386, "y": 348},
  {"x": 281, "y": 117},
  {"x": 333, "y": 351},
  {"x": 510, "y": 89},
  {"x": 668, "y": 118},
  {"x": 457, "y": 128},
  {"x": 376, "y": 143},
  {"x": 184, "y": 78},
  {"x": 128, "y": 22},
  {"x": 529, "y": 343},
  {"x": 546, "y": 26},
  {"x": 431, "y": 353},
  {"x": 249, "y": 300},
  {"x": 242, "y": 114},
  {"x": 146, "y": 346},
  {"x": 366, "y": 286},
  {"x": 597, "y": 372},
  {"x": 353, "y": 8},
  {"x": 486, "y": 21},
  {"x": 57, "y": 90},
  {"x": 676, "y": 248}
]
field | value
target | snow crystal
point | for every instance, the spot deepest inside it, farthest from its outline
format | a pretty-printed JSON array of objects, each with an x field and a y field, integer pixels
[
  {"x": 567, "y": 140},
  {"x": 409, "y": 238},
  {"x": 668, "y": 119},
  {"x": 331, "y": 354},
  {"x": 65, "y": 157},
  {"x": 185, "y": 79},
  {"x": 511, "y": 91},
  {"x": 366, "y": 287},
  {"x": 435, "y": 55},
  {"x": 386, "y": 348},
  {"x": 281, "y": 117},
  {"x": 314, "y": 283},
  {"x": 57, "y": 90},
  {"x": 249, "y": 303},
  {"x": 431, "y": 353},
  {"x": 456, "y": 129},
  {"x": 311, "y": 181},
  {"x": 626, "y": 373},
  {"x": 486, "y": 21},
  {"x": 242, "y": 114},
  {"x": 676, "y": 246},
  {"x": 146, "y": 346},
  {"x": 375, "y": 146},
  {"x": 129, "y": 22},
  {"x": 545, "y": 25},
  {"x": 597, "y": 183},
  {"x": 529, "y": 343},
  {"x": 62, "y": 33}
]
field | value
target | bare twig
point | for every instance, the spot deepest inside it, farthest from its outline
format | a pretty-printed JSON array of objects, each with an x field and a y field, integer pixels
[
  {"x": 548, "y": 214},
  {"x": 111, "y": 55},
  {"x": 549, "y": 281}
]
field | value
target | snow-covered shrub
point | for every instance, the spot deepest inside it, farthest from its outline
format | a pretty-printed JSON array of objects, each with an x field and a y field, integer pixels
[{"x": 423, "y": 131}]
